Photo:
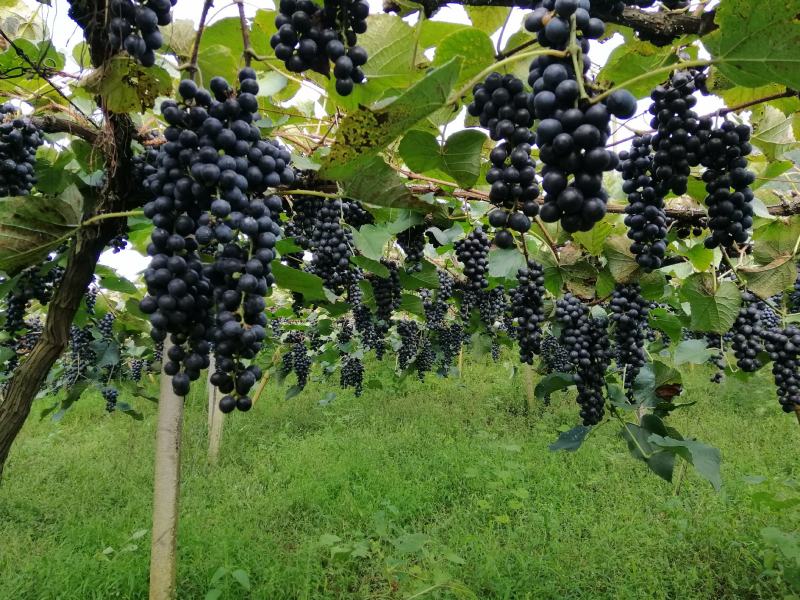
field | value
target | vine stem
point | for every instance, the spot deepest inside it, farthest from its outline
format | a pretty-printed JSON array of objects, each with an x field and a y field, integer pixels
[
  {"x": 681, "y": 473},
  {"x": 454, "y": 98},
  {"x": 247, "y": 52},
  {"x": 113, "y": 215},
  {"x": 308, "y": 193},
  {"x": 668, "y": 69},
  {"x": 192, "y": 66},
  {"x": 576, "y": 54}
]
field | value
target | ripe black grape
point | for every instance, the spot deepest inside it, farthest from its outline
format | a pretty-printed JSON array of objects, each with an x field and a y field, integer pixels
[
  {"x": 352, "y": 374},
  {"x": 528, "y": 311},
  {"x": 473, "y": 253},
  {"x": 412, "y": 241},
  {"x": 331, "y": 245},
  {"x": 409, "y": 333},
  {"x": 629, "y": 312},
  {"x": 555, "y": 357},
  {"x": 19, "y": 140},
  {"x": 784, "y": 350},
  {"x": 747, "y": 331},
  {"x": 314, "y": 37},
  {"x": 586, "y": 339},
  {"x": 110, "y": 395}
]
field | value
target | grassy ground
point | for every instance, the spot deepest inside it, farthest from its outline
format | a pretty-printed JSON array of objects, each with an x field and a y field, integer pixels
[{"x": 439, "y": 489}]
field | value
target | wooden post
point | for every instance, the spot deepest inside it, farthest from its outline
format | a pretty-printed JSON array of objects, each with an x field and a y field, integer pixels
[
  {"x": 166, "y": 492},
  {"x": 529, "y": 389},
  {"x": 215, "y": 418}
]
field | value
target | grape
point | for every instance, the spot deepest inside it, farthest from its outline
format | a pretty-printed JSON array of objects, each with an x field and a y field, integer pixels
[
  {"x": 676, "y": 144},
  {"x": 426, "y": 357},
  {"x": 136, "y": 369},
  {"x": 331, "y": 246},
  {"x": 110, "y": 395},
  {"x": 352, "y": 374},
  {"x": 451, "y": 338},
  {"x": 33, "y": 283},
  {"x": 132, "y": 26},
  {"x": 19, "y": 140},
  {"x": 502, "y": 106},
  {"x": 555, "y": 357},
  {"x": 784, "y": 350},
  {"x": 629, "y": 312},
  {"x": 412, "y": 241},
  {"x": 409, "y": 342},
  {"x": 387, "y": 292},
  {"x": 473, "y": 253},
  {"x": 207, "y": 190},
  {"x": 106, "y": 326},
  {"x": 586, "y": 339},
  {"x": 730, "y": 212},
  {"x": 572, "y": 132},
  {"x": 747, "y": 331},
  {"x": 645, "y": 216},
  {"x": 528, "y": 310},
  {"x": 492, "y": 306},
  {"x": 314, "y": 37}
]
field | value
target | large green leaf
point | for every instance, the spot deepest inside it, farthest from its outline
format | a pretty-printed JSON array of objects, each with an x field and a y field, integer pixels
[
  {"x": 706, "y": 459},
  {"x": 621, "y": 262},
  {"x": 770, "y": 279},
  {"x": 127, "y": 86},
  {"x": 488, "y": 18},
  {"x": 714, "y": 305},
  {"x": 757, "y": 41},
  {"x": 298, "y": 281},
  {"x": 472, "y": 45},
  {"x": 460, "y": 157},
  {"x": 773, "y": 134},
  {"x": 31, "y": 226},
  {"x": 634, "y": 59},
  {"x": 364, "y": 133}
]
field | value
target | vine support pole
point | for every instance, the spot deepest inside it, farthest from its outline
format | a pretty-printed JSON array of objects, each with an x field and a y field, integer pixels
[
  {"x": 215, "y": 418},
  {"x": 529, "y": 390},
  {"x": 166, "y": 492}
]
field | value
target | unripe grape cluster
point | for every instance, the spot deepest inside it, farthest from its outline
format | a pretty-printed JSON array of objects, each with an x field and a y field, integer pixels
[
  {"x": 313, "y": 37},
  {"x": 19, "y": 140}
]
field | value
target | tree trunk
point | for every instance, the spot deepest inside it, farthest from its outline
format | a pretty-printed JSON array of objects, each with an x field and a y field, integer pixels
[
  {"x": 166, "y": 492},
  {"x": 31, "y": 374}
]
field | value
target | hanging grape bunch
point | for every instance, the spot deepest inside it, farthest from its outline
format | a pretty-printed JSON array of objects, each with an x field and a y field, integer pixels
[
  {"x": 331, "y": 245},
  {"x": 130, "y": 25},
  {"x": 33, "y": 284},
  {"x": 412, "y": 241},
  {"x": 473, "y": 253},
  {"x": 572, "y": 130},
  {"x": 312, "y": 37},
  {"x": 629, "y": 312},
  {"x": 19, "y": 139},
  {"x": 644, "y": 215},
  {"x": 502, "y": 106},
  {"x": 747, "y": 330},
  {"x": 784, "y": 350},
  {"x": 727, "y": 179},
  {"x": 528, "y": 311},
  {"x": 207, "y": 185}
]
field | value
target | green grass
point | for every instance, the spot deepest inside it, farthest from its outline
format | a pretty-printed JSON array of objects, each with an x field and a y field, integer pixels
[{"x": 442, "y": 486}]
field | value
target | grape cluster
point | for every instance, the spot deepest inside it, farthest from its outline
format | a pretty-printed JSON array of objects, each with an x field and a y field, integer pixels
[
  {"x": 629, "y": 312},
  {"x": 387, "y": 292},
  {"x": 473, "y": 253},
  {"x": 355, "y": 214},
  {"x": 784, "y": 350},
  {"x": 33, "y": 284},
  {"x": 352, "y": 374},
  {"x": 19, "y": 139},
  {"x": 586, "y": 339},
  {"x": 727, "y": 180},
  {"x": 106, "y": 326},
  {"x": 645, "y": 216},
  {"x": 331, "y": 245},
  {"x": 502, "y": 106},
  {"x": 362, "y": 319},
  {"x": 409, "y": 342},
  {"x": 90, "y": 299},
  {"x": 130, "y": 25},
  {"x": 555, "y": 357},
  {"x": 426, "y": 357},
  {"x": 528, "y": 310},
  {"x": 492, "y": 306},
  {"x": 747, "y": 331},
  {"x": 312, "y": 37},
  {"x": 412, "y": 241},
  {"x": 207, "y": 185},
  {"x": 572, "y": 131},
  {"x": 110, "y": 395},
  {"x": 137, "y": 364},
  {"x": 451, "y": 338}
]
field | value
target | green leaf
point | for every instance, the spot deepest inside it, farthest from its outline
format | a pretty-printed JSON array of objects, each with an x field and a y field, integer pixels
[
  {"x": 771, "y": 279},
  {"x": 473, "y": 46},
  {"x": 365, "y": 132},
  {"x": 756, "y": 43},
  {"x": 695, "y": 352},
  {"x": 111, "y": 281},
  {"x": 32, "y": 226},
  {"x": 371, "y": 240},
  {"x": 461, "y": 156},
  {"x": 773, "y": 133},
  {"x": 127, "y": 86},
  {"x": 594, "y": 240},
  {"x": 713, "y": 307},
  {"x": 664, "y": 320},
  {"x": 661, "y": 463},
  {"x": 487, "y": 18},
  {"x": 389, "y": 42},
  {"x": 420, "y": 151},
  {"x": 553, "y": 383},
  {"x": 633, "y": 59},
  {"x": 706, "y": 459},
  {"x": 412, "y": 303},
  {"x": 505, "y": 263},
  {"x": 433, "y": 32},
  {"x": 298, "y": 281},
  {"x": 242, "y": 578},
  {"x": 621, "y": 261},
  {"x": 371, "y": 266},
  {"x": 571, "y": 440},
  {"x": 774, "y": 239}
]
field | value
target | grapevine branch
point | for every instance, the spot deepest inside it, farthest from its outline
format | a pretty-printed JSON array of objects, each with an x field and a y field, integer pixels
[
  {"x": 191, "y": 68},
  {"x": 659, "y": 28},
  {"x": 247, "y": 53}
]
